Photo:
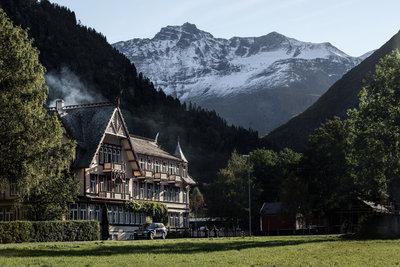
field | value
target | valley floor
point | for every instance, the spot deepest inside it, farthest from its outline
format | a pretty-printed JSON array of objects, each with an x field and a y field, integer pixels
[{"x": 279, "y": 251}]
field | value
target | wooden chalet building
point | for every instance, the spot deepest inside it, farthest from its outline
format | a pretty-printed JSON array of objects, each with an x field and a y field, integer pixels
[{"x": 114, "y": 167}]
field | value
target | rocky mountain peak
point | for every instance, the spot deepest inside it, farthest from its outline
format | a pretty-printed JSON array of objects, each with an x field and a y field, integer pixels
[
  {"x": 185, "y": 31},
  {"x": 278, "y": 75}
]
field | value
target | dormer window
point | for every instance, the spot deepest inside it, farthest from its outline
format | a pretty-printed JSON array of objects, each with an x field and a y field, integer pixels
[{"x": 109, "y": 154}]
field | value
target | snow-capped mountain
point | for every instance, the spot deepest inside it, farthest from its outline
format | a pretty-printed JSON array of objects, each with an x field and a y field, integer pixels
[{"x": 257, "y": 82}]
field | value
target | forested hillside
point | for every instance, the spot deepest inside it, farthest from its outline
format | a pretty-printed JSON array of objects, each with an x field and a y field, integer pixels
[
  {"x": 335, "y": 102},
  {"x": 63, "y": 42}
]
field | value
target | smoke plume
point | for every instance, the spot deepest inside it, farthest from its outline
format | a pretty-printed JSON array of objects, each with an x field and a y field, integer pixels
[{"x": 67, "y": 85}]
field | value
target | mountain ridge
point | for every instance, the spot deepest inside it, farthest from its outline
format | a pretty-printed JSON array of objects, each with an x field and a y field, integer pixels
[
  {"x": 341, "y": 96},
  {"x": 193, "y": 65}
]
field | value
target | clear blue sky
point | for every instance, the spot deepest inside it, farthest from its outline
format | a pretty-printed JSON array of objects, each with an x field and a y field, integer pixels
[{"x": 354, "y": 26}]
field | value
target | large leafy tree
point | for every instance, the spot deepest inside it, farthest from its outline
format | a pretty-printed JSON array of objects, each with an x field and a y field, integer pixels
[
  {"x": 197, "y": 202},
  {"x": 228, "y": 197},
  {"x": 325, "y": 173},
  {"x": 270, "y": 169},
  {"x": 376, "y": 127},
  {"x": 32, "y": 153}
]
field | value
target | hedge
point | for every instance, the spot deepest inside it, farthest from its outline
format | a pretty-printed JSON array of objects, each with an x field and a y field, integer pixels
[{"x": 48, "y": 231}]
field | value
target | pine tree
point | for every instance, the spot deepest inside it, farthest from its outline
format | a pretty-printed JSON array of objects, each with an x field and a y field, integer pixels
[{"x": 32, "y": 152}]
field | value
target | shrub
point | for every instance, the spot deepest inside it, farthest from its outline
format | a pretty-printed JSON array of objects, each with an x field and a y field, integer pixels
[
  {"x": 158, "y": 212},
  {"x": 15, "y": 231},
  {"x": 48, "y": 231}
]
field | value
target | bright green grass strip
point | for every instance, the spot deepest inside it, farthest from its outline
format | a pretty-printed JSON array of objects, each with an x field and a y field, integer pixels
[{"x": 264, "y": 251}]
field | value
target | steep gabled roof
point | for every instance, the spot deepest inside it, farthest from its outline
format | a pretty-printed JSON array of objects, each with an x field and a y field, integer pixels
[
  {"x": 86, "y": 124},
  {"x": 179, "y": 153},
  {"x": 149, "y": 147}
]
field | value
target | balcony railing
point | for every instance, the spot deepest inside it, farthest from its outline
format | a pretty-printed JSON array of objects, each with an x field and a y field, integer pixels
[
  {"x": 114, "y": 167},
  {"x": 114, "y": 195},
  {"x": 160, "y": 176},
  {"x": 173, "y": 178}
]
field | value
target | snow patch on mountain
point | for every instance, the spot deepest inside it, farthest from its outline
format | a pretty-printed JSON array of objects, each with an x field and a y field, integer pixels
[{"x": 193, "y": 65}]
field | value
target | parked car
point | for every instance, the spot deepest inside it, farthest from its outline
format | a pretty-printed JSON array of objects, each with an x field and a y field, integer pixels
[{"x": 151, "y": 231}]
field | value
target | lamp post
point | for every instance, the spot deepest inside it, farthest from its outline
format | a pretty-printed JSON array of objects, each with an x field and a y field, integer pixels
[{"x": 249, "y": 192}]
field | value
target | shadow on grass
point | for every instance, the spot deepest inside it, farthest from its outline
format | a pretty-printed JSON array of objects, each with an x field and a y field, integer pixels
[
  {"x": 366, "y": 237},
  {"x": 183, "y": 247}
]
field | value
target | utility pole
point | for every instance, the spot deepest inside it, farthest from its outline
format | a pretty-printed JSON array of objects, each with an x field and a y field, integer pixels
[
  {"x": 249, "y": 192},
  {"x": 248, "y": 176}
]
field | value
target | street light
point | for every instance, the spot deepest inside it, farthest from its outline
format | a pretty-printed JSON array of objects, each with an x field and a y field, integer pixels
[{"x": 247, "y": 157}]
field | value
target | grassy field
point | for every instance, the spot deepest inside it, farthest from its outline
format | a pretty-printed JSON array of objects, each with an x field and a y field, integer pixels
[{"x": 279, "y": 251}]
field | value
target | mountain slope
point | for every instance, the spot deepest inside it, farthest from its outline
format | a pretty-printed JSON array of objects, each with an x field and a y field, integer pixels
[
  {"x": 257, "y": 82},
  {"x": 64, "y": 44},
  {"x": 335, "y": 102}
]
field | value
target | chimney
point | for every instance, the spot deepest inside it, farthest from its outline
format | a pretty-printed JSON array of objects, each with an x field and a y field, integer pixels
[{"x": 60, "y": 106}]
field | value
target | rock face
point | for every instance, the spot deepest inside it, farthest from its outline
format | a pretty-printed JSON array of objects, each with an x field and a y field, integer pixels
[{"x": 258, "y": 82}]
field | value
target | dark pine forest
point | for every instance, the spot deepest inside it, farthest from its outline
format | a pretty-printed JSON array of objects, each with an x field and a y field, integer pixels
[{"x": 206, "y": 138}]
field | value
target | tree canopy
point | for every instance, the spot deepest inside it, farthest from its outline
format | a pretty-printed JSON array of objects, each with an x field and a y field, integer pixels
[{"x": 32, "y": 152}]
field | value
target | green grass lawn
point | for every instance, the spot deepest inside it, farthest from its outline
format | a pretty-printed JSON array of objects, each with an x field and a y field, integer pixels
[{"x": 279, "y": 251}]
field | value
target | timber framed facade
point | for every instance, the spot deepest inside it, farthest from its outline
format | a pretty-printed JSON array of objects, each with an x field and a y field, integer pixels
[{"x": 114, "y": 167}]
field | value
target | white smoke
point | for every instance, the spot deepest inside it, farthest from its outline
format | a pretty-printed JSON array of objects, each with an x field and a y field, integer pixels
[{"x": 66, "y": 85}]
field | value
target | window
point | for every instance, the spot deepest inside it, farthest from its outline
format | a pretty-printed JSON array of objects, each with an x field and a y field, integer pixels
[
  {"x": 185, "y": 220},
  {"x": 166, "y": 193},
  {"x": 141, "y": 191},
  {"x": 126, "y": 187},
  {"x": 173, "y": 219},
  {"x": 82, "y": 212},
  {"x": 184, "y": 173},
  {"x": 101, "y": 155},
  {"x": 185, "y": 200},
  {"x": 13, "y": 188},
  {"x": 157, "y": 167},
  {"x": 110, "y": 215},
  {"x": 164, "y": 167},
  {"x": 137, "y": 218},
  {"x": 149, "y": 165},
  {"x": 97, "y": 214},
  {"x": 73, "y": 215},
  {"x": 102, "y": 183},
  {"x": 8, "y": 215},
  {"x": 119, "y": 185},
  {"x": 90, "y": 212},
  {"x": 176, "y": 191},
  {"x": 114, "y": 214},
  {"x": 171, "y": 169},
  {"x": 157, "y": 192},
  {"x": 93, "y": 183},
  {"x": 142, "y": 164},
  {"x": 135, "y": 190},
  {"x": 121, "y": 215},
  {"x": 127, "y": 217},
  {"x": 108, "y": 185},
  {"x": 109, "y": 154},
  {"x": 149, "y": 191}
]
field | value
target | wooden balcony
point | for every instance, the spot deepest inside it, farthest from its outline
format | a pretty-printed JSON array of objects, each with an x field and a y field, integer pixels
[
  {"x": 173, "y": 178},
  {"x": 114, "y": 167},
  {"x": 114, "y": 195},
  {"x": 160, "y": 177}
]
